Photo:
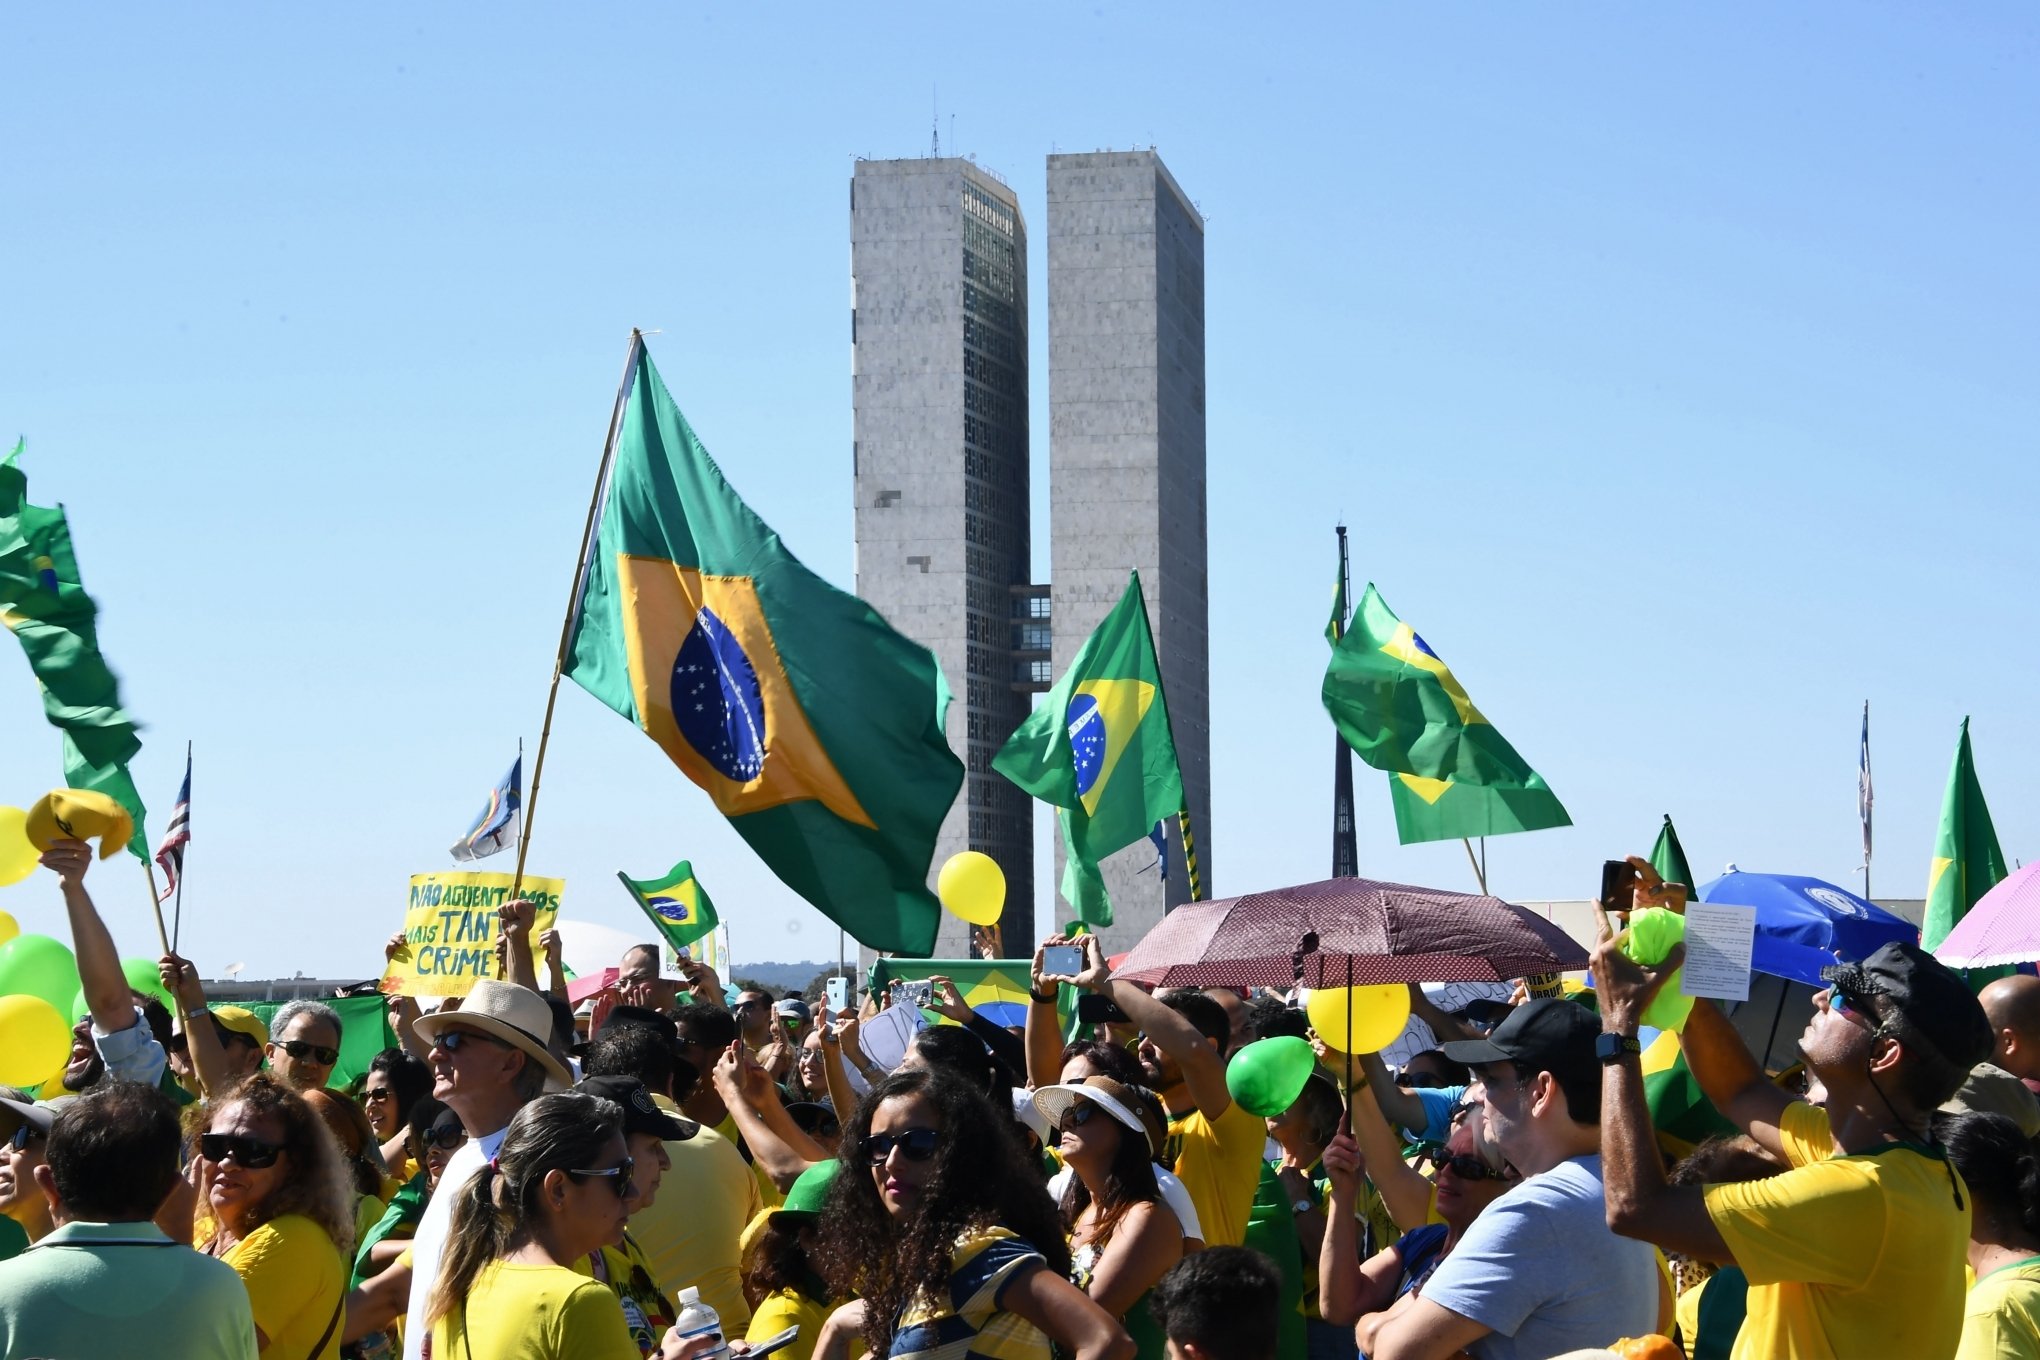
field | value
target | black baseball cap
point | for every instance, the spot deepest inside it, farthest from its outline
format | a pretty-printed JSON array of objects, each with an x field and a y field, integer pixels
[
  {"x": 640, "y": 1115},
  {"x": 1552, "y": 1035},
  {"x": 1932, "y": 998}
]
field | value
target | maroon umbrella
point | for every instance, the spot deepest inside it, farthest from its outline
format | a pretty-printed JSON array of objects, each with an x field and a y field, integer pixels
[{"x": 1385, "y": 932}]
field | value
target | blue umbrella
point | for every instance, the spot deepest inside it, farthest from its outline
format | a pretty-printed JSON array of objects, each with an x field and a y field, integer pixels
[
  {"x": 1805, "y": 924},
  {"x": 1004, "y": 1014}
]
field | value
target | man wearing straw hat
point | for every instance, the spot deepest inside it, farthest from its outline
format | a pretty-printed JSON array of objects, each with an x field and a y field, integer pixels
[{"x": 489, "y": 1059}]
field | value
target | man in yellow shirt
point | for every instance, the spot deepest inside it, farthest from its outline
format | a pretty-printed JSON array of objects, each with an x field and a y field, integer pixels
[
  {"x": 1858, "y": 1249},
  {"x": 1214, "y": 1146}
]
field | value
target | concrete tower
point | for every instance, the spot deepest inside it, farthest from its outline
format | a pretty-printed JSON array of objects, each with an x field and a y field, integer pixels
[
  {"x": 1126, "y": 461},
  {"x": 938, "y": 341}
]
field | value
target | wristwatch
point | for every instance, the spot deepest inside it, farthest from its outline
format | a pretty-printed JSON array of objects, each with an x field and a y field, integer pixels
[
  {"x": 1612, "y": 1048},
  {"x": 1303, "y": 1206},
  {"x": 196, "y": 1012}
]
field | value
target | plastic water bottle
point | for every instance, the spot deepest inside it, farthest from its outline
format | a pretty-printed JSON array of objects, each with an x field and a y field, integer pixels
[{"x": 698, "y": 1319}]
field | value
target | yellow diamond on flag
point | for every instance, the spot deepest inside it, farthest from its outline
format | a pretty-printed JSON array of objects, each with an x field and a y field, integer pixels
[{"x": 1430, "y": 790}]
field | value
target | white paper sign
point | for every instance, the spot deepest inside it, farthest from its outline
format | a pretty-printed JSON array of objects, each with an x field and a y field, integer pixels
[
  {"x": 885, "y": 1036},
  {"x": 1719, "y": 941}
]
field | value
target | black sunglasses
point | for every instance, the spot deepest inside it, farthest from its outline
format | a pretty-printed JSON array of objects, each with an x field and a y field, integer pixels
[
  {"x": 621, "y": 1172},
  {"x": 446, "y": 1137},
  {"x": 1468, "y": 1167},
  {"x": 452, "y": 1039},
  {"x": 251, "y": 1153},
  {"x": 300, "y": 1049},
  {"x": 24, "y": 1133},
  {"x": 916, "y": 1145},
  {"x": 1078, "y": 1114}
]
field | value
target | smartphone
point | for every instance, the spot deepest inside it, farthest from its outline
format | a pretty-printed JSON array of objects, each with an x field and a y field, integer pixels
[
  {"x": 774, "y": 1343},
  {"x": 838, "y": 992},
  {"x": 1062, "y": 960},
  {"x": 1618, "y": 885},
  {"x": 1093, "y": 1009},
  {"x": 921, "y": 993}
]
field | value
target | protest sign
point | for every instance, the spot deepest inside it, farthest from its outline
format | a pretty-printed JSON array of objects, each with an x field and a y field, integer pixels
[{"x": 450, "y": 923}]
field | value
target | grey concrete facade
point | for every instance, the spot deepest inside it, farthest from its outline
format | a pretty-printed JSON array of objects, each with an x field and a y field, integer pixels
[
  {"x": 1126, "y": 461},
  {"x": 938, "y": 264}
]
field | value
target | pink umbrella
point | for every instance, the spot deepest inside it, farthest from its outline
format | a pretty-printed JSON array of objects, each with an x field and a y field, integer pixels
[
  {"x": 2003, "y": 927},
  {"x": 1388, "y": 931}
]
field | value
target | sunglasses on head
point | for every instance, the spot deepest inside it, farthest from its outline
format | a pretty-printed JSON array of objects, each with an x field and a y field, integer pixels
[
  {"x": 453, "y": 1039},
  {"x": 251, "y": 1153},
  {"x": 916, "y": 1145},
  {"x": 620, "y": 1173},
  {"x": 446, "y": 1136},
  {"x": 1468, "y": 1167},
  {"x": 299, "y": 1049}
]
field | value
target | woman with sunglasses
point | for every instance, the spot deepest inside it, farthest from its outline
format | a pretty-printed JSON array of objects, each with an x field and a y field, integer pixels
[
  {"x": 555, "y": 1191},
  {"x": 282, "y": 1214},
  {"x": 24, "y": 1213},
  {"x": 1466, "y": 1184},
  {"x": 938, "y": 1227},
  {"x": 395, "y": 1083},
  {"x": 1123, "y": 1238}
]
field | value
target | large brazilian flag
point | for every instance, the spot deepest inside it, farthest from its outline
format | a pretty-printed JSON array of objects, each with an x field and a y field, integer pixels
[
  {"x": 812, "y": 725},
  {"x": 1403, "y": 710}
]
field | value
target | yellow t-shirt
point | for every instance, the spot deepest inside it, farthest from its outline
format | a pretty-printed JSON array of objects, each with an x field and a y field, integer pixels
[
  {"x": 1219, "y": 1163},
  {"x": 295, "y": 1279},
  {"x": 1831, "y": 1244},
  {"x": 534, "y": 1312},
  {"x": 789, "y": 1308},
  {"x": 689, "y": 1232},
  {"x": 2001, "y": 1321}
]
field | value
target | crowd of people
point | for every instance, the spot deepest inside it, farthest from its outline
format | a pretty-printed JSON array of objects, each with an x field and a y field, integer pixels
[{"x": 675, "y": 1171}]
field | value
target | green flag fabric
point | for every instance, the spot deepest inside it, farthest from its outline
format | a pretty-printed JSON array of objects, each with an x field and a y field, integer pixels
[
  {"x": 1668, "y": 857},
  {"x": 1335, "y": 626},
  {"x": 1401, "y": 708},
  {"x": 44, "y": 604},
  {"x": 1100, "y": 749},
  {"x": 813, "y": 726},
  {"x": 1445, "y": 810},
  {"x": 676, "y": 903},
  {"x": 982, "y": 982},
  {"x": 1967, "y": 862}
]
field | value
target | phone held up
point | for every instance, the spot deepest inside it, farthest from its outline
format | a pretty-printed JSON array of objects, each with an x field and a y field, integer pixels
[{"x": 1062, "y": 960}]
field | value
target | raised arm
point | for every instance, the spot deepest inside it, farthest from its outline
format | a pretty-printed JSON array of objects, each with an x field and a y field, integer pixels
[
  {"x": 201, "y": 1040},
  {"x": 1400, "y": 1107},
  {"x": 1445, "y": 1026},
  {"x": 769, "y": 1131},
  {"x": 550, "y": 944},
  {"x": 1730, "y": 1076},
  {"x": 949, "y": 1002},
  {"x": 1203, "y": 1068},
  {"x": 1044, "y": 1028},
  {"x": 106, "y": 988},
  {"x": 517, "y": 916}
]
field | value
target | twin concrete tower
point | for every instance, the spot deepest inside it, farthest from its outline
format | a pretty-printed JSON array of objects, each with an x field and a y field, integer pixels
[{"x": 938, "y": 328}]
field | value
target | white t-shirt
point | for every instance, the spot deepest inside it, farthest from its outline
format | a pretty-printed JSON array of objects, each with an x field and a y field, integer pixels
[
  {"x": 430, "y": 1242},
  {"x": 1173, "y": 1195}
]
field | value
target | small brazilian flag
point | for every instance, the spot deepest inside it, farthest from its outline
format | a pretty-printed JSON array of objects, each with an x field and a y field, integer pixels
[
  {"x": 1967, "y": 861},
  {"x": 1403, "y": 710},
  {"x": 678, "y": 906},
  {"x": 812, "y": 725},
  {"x": 44, "y": 604},
  {"x": 1100, "y": 749}
]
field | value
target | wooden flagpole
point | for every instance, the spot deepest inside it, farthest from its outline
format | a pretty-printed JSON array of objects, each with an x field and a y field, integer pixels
[
  {"x": 155, "y": 901},
  {"x": 630, "y": 362}
]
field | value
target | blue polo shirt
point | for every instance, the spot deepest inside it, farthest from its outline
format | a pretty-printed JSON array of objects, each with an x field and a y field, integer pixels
[{"x": 122, "y": 1291}]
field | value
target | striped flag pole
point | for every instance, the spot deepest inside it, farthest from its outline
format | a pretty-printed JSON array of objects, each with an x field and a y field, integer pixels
[{"x": 1189, "y": 852}]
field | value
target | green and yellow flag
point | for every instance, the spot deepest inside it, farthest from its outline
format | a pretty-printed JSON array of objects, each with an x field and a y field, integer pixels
[
  {"x": 1668, "y": 857},
  {"x": 1967, "y": 862},
  {"x": 44, "y": 604},
  {"x": 676, "y": 903},
  {"x": 1403, "y": 711},
  {"x": 1100, "y": 749},
  {"x": 1445, "y": 810},
  {"x": 813, "y": 726}
]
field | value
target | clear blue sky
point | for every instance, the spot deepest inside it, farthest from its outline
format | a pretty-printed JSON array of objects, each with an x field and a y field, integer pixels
[{"x": 1674, "y": 367}]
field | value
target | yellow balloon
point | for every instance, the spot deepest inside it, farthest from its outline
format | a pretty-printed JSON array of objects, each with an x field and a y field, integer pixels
[
  {"x": 18, "y": 856},
  {"x": 9, "y": 927},
  {"x": 33, "y": 1039},
  {"x": 973, "y": 886},
  {"x": 1378, "y": 1015}
]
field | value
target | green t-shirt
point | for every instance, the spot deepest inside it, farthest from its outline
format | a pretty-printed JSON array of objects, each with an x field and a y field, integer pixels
[{"x": 13, "y": 1238}]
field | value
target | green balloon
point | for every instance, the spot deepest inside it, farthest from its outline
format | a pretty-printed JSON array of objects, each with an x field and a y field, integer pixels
[
  {"x": 143, "y": 976},
  {"x": 80, "y": 1007},
  {"x": 1267, "y": 1076},
  {"x": 39, "y": 966}
]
